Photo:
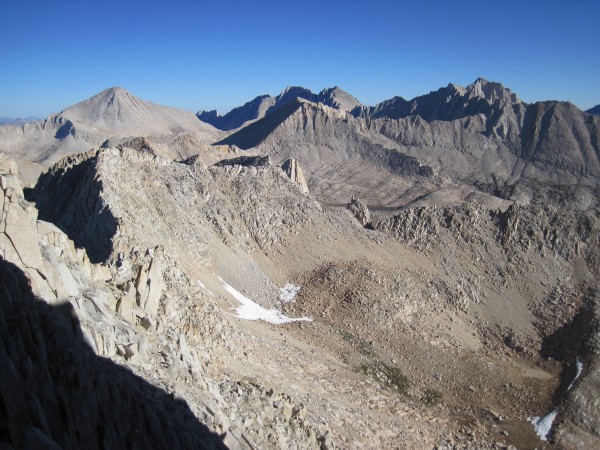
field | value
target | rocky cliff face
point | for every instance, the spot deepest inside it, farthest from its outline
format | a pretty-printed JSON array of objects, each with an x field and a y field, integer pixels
[
  {"x": 481, "y": 136},
  {"x": 263, "y": 105},
  {"x": 117, "y": 312},
  {"x": 450, "y": 103},
  {"x": 56, "y": 393},
  {"x": 336, "y": 152},
  {"x": 551, "y": 127},
  {"x": 360, "y": 211},
  {"x": 579, "y": 423},
  {"x": 292, "y": 169}
]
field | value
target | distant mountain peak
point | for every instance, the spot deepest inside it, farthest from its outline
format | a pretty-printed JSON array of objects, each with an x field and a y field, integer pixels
[
  {"x": 117, "y": 90},
  {"x": 480, "y": 80},
  {"x": 19, "y": 121},
  {"x": 262, "y": 106},
  {"x": 291, "y": 90},
  {"x": 491, "y": 91},
  {"x": 336, "y": 97},
  {"x": 117, "y": 111},
  {"x": 595, "y": 110}
]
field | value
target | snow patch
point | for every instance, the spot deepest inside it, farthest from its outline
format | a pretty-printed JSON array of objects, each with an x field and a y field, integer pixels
[
  {"x": 253, "y": 311},
  {"x": 543, "y": 425},
  {"x": 289, "y": 292},
  {"x": 201, "y": 284},
  {"x": 579, "y": 366}
]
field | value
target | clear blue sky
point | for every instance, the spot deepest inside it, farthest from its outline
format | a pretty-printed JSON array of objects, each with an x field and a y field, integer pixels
[{"x": 220, "y": 54}]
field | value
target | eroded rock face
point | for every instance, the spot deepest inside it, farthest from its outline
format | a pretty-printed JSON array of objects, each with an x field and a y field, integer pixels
[
  {"x": 293, "y": 170},
  {"x": 55, "y": 392},
  {"x": 360, "y": 211},
  {"x": 544, "y": 230},
  {"x": 74, "y": 203},
  {"x": 136, "y": 312},
  {"x": 149, "y": 285}
]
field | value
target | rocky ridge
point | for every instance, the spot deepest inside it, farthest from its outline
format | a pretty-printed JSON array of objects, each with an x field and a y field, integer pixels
[
  {"x": 240, "y": 221},
  {"x": 424, "y": 319},
  {"x": 336, "y": 153},
  {"x": 117, "y": 310},
  {"x": 263, "y": 105},
  {"x": 480, "y": 136}
]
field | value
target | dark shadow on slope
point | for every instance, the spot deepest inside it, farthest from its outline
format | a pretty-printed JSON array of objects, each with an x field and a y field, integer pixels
[
  {"x": 569, "y": 343},
  {"x": 253, "y": 134},
  {"x": 234, "y": 118},
  {"x": 55, "y": 392},
  {"x": 70, "y": 197},
  {"x": 65, "y": 130}
]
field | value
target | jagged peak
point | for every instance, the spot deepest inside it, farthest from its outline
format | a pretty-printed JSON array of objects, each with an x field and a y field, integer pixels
[
  {"x": 480, "y": 80},
  {"x": 491, "y": 91},
  {"x": 293, "y": 90},
  {"x": 333, "y": 89},
  {"x": 460, "y": 90},
  {"x": 338, "y": 98}
]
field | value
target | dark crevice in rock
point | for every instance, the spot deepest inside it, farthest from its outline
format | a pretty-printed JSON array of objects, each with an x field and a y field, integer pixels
[{"x": 245, "y": 161}]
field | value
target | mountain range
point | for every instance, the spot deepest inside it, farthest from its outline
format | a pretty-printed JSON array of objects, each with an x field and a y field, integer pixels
[
  {"x": 19, "y": 121},
  {"x": 303, "y": 272},
  {"x": 482, "y": 138}
]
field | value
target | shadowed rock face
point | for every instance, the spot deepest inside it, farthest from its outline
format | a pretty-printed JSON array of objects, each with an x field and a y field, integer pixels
[
  {"x": 449, "y": 103},
  {"x": 69, "y": 196},
  {"x": 595, "y": 110},
  {"x": 55, "y": 393},
  {"x": 360, "y": 211},
  {"x": 556, "y": 136}
]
